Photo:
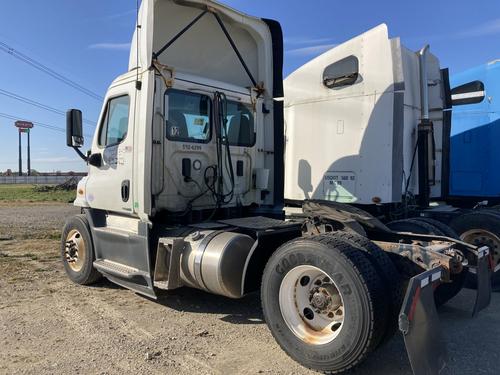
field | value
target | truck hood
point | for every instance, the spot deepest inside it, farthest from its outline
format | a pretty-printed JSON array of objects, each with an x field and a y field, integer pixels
[{"x": 203, "y": 50}]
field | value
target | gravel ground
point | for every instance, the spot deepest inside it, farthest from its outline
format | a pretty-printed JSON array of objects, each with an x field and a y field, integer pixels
[{"x": 50, "y": 326}]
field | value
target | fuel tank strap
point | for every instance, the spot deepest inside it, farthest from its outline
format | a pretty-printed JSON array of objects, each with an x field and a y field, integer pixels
[{"x": 199, "y": 257}]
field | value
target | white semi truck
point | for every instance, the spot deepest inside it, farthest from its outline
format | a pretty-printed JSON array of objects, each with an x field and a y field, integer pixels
[
  {"x": 377, "y": 119},
  {"x": 185, "y": 188}
]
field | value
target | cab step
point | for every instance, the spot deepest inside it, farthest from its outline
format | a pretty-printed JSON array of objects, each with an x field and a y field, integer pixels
[{"x": 117, "y": 269}]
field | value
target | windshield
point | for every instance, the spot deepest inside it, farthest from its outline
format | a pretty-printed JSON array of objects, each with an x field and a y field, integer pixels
[
  {"x": 240, "y": 124},
  {"x": 188, "y": 116}
]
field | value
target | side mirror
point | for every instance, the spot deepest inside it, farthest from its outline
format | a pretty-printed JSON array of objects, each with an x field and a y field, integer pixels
[{"x": 74, "y": 129}]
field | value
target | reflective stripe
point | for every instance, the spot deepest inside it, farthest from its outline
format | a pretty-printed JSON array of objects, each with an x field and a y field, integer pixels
[
  {"x": 483, "y": 251},
  {"x": 424, "y": 282},
  {"x": 436, "y": 276},
  {"x": 468, "y": 95}
]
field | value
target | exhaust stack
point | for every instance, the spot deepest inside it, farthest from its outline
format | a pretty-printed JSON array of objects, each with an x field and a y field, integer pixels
[{"x": 424, "y": 90}]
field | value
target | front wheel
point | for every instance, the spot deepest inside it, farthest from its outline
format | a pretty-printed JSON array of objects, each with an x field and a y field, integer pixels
[
  {"x": 77, "y": 251},
  {"x": 324, "y": 303}
]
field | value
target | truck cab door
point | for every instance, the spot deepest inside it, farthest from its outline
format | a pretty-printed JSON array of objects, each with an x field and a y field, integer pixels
[{"x": 109, "y": 184}]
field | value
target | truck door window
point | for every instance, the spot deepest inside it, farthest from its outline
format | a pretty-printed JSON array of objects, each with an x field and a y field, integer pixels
[
  {"x": 468, "y": 93},
  {"x": 115, "y": 125},
  {"x": 341, "y": 73},
  {"x": 188, "y": 116},
  {"x": 240, "y": 124}
]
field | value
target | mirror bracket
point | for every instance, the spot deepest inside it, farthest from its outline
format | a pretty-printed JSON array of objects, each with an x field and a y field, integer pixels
[{"x": 80, "y": 154}]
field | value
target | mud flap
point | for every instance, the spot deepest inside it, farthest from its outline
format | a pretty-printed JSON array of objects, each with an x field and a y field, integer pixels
[
  {"x": 419, "y": 323},
  {"x": 483, "y": 275}
]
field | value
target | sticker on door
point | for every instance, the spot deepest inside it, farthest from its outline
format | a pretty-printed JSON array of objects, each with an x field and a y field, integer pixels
[{"x": 339, "y": 186}]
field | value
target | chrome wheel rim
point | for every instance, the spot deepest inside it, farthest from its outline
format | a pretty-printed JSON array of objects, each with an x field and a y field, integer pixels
[
  {"x": 75, "y": 250},
  {"x": 311, "y": 305},
  {"x": 481, "y": 237}
]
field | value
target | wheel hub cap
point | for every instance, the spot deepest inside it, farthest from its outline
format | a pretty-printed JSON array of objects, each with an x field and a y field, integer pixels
[
  {"x": 75, "y": 250},
  {"x": 481, "y": 237},
  {"x": 311, "y": 305}
]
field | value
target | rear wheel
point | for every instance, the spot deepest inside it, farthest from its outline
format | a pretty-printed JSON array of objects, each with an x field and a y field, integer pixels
[
  {"x": 442, "y": 227},
  {"x": 77, "y": 251},
  {"x": 324, "y": 302},
  {"x": 481, "y": 228},
  {"x": 415, "y": 225},
  {"x": 388, "y": 273},
  {"x": 423, "y": 225}
]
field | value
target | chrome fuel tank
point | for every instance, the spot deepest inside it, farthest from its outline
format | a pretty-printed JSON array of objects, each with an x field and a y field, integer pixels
[{"x": 214, "y": 261}]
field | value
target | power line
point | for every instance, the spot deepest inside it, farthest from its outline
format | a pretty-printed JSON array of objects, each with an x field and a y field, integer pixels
[
  {"x": 38, "y": 65},
  {"x": 40, "y": 105},
  {"x": 37, "y": 123}
]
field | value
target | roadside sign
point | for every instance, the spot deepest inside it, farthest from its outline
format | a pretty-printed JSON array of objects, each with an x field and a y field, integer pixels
[{"x": 23, "y": 124}]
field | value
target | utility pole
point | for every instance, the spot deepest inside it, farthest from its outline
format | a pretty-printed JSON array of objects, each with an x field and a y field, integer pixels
[
  {"x": 20, "y": 156},
  {"x": 29, "y": 158},
  {"x": 24, "y": 127}
]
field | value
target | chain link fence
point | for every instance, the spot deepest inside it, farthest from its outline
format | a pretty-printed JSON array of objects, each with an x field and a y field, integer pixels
[{"x": 38, "y": 180}]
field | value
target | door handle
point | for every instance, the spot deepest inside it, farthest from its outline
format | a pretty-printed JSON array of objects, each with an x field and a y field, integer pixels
[{"x": 125, "y": 190}]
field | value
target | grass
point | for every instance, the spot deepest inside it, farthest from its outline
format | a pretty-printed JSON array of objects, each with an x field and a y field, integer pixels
[{"x": 15, "y": 193}]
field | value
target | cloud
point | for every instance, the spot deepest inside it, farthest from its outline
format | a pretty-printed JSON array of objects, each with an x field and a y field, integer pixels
[
  {"x": 301, "y": 40},
  {"x": 111, "y": 46},
  {"x": 491, "y": 27},
  {"x": 486, "y": 28},
  {"x": 311, "y": 50}
]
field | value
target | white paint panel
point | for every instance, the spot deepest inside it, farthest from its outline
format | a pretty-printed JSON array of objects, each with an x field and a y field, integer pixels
[{"x": 349, "y": 129}]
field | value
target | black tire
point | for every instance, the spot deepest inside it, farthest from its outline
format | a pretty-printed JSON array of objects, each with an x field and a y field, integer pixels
[
  {"x": 414, "y": 226},
  {"x": 423, "y": 225},
  {"x": 86, "y": 274},
  {"x": 443, "y": 228},
  {"x": 387, "y": 271},
  {"x": 486, "y": 220},
  {"x": 362, "y": 291}
]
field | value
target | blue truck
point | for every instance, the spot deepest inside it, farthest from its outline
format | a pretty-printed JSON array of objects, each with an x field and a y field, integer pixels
[
  {"x": 474, "y": 156},
  {"x": 475, "y": 131}
]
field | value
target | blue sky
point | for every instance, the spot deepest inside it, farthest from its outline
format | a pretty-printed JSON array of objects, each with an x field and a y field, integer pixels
[{"x": 87, "y": 41}]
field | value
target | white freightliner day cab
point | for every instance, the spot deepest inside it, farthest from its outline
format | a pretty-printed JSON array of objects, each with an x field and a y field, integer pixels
[{"x": 186, "y": 188}]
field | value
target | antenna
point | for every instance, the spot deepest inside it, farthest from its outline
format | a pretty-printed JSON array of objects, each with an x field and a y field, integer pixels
[{"x": 138, "y": 84}]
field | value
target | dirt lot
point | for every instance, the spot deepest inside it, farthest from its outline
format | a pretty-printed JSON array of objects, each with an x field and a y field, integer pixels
[{"x": 51, "y": 326}]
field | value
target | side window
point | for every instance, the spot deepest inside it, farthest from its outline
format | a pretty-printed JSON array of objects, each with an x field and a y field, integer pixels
[
  {"x": 240, "y": 124},
  {"x": 344, "y": 72},
  {"x": 468, "y": 93},
  {"x": 188, "y": 116},
  {"x": 115, "y": 124}
]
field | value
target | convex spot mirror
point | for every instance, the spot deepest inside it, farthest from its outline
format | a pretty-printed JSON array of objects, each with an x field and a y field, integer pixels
[
  {"x": 341, "y": 73},
  {"x": 74, "y": 129}
]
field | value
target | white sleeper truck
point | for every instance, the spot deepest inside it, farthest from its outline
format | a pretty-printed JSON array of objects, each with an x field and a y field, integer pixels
[
  {"x": 377, "y": 119},
  {"x": 185, "y": 188}
]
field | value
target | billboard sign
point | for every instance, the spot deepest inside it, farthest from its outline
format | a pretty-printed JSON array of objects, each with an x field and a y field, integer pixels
[{"x": 24, "y": 124}]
